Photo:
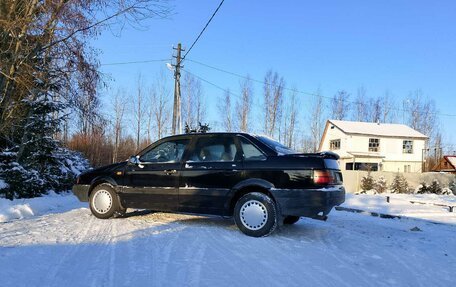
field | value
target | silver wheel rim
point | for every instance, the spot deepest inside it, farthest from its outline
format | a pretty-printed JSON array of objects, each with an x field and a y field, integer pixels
[
  {"x": 102, "y": 201},
  {"x": 253, "y": 215}
]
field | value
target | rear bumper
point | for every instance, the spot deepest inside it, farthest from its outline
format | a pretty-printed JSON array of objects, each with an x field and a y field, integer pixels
[
  {"x": 81, "y": 191},
  {"x": 308, "y": 202}
]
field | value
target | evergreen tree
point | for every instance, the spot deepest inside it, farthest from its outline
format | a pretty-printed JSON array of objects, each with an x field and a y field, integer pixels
[
  {"x": 435, "y": 187},
  {"x": 399, "y": 184},
  {"x": 380, "y": 185},
  {"x": 39, "y": 163},
  {"x": 367, "y": 182},
  {"x": 423, "y": 188},
  {"x": 452, "y": 186}
]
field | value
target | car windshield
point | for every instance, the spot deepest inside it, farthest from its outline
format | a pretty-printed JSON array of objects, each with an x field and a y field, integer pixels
[{"x": 275, "y": 145}]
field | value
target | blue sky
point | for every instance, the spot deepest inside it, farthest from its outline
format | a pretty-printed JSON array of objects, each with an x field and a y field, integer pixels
[{"x": 394, "y": 45}]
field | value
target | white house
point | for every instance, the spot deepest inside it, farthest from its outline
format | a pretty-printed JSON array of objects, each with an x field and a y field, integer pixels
[{"x": 386, "y": 147}]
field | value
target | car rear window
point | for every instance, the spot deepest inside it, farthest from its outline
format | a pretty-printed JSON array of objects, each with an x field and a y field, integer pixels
[
  {"x": 275, "y": 145},
  {"x": 331, "y": 164},
  {"x": 250, "y": 152}
]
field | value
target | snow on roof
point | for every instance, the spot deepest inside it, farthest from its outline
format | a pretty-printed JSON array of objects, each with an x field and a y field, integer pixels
[
  {"x": 381, "y": 129},
  {"x": 451, "y": 159}
]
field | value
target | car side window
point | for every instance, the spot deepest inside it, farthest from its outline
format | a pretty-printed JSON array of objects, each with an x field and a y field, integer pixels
[
  {"x": 170, "y": 151},
  {"x": 250, "y": 151},
  {"x": 216, "y": 149}
]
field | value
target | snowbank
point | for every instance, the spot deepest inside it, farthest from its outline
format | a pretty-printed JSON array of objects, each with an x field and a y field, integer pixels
[
  {"x": 401, "y": 204},
  {"x": 25, "y": 208}
]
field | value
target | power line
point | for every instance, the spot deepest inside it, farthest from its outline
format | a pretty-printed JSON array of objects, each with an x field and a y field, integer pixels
[
  {"x": 202, "y": 31},
  {"x": 135, "y": 62},
  {"x": 212, "y": 84},
  {"x": 295, "y": 90}
]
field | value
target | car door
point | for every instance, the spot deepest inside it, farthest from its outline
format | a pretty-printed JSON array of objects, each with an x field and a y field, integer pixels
[
  {"x": 153, "y": 182},
  {"x": 209, "y": 173}
]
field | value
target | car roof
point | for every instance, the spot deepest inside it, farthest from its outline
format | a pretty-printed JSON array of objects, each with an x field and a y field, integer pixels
[
  {"x": 265, "y": 148},
  {"x": 209, "y": 134}
]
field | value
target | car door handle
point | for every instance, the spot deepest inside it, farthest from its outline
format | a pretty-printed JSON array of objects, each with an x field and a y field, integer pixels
[{"x": 170, "y": 171}]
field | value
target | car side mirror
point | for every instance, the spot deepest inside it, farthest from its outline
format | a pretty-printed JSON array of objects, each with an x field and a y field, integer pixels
[{"x": 134, "y": 159}]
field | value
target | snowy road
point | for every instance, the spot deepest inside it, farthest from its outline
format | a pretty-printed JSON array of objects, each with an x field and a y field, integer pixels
[{"x": 73, "y": 248}]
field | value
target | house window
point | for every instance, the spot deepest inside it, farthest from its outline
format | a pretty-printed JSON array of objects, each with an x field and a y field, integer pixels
[
  {"x": 362, "y": 166},
  {"x": 407, "y": 146},
  {"x": 407, "y": 168},
  {"x": 374, "y": 145},
  {"x": 334, "y": 144}
]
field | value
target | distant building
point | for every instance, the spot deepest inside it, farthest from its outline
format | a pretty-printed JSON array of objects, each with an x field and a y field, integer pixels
[
  {"x": 375, "y": 146},
  {"x": 446, "y": 164}
]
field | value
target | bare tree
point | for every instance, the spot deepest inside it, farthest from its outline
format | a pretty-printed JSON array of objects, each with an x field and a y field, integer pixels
[
  {"x": 422, "y": 114},
  {"x": 244, "y": 106},
  {"x": 316, "y": 121},
  {"x": 273, "y": 100},
  {"x": 160, "y": 105},
  {"x": 387, "y": 107},
  {"x": 376, "y": 110},
  {"x": 225, "y": 110},
  {"x": 119, "y": 105},
  {"x": 361, "y": 105},
  {"x": 340, "y": 105},
  {"x": 139, "y": 110},
  {"x": 290, "y": 119},
  {"x": 193, "y": 104},
  {"x": 45, "y": 47}
]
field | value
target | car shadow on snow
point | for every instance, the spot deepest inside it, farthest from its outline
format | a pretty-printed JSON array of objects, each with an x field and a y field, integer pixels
[{"x": 306, "y": 228}]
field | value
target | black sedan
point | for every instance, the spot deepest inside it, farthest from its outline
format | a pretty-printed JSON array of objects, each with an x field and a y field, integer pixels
[{"x": 255, "y": 179}]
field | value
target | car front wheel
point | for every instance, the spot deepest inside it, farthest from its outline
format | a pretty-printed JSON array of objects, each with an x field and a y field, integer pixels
[
  {"x": 103, "y": 201},
  {"x": 255, "y": 214}
]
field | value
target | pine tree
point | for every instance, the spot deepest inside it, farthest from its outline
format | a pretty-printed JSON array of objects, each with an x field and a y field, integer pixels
[
  {"x": 380, "y": 185},
  {"x": 39, "y": 163},
  {"x": 435, "y": 187},
  {"x": 399, "y": 184},
  {"x": 452, "y": 186},
  {"x": 423, "y": 188},
  {"x": 367, "y": 182}
]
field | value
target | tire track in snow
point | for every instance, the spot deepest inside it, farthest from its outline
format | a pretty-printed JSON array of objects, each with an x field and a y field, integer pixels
[{"x": 72, "y": 247}]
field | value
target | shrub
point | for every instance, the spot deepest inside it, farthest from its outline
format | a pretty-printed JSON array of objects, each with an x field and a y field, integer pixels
[
  {"x": 452, "y": 186},
  {"x": 25, "y": 181},
  {"x": 435, "y": 187},
  {"x": 380, "y": 185},
  {"x": 399, "y": 184},
  {"x": 422, "y": 188},
  {"x": 367, "y": 182}
]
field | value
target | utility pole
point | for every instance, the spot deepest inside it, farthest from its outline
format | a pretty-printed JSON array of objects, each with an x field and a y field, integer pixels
[{"x": 177, "y": 118}]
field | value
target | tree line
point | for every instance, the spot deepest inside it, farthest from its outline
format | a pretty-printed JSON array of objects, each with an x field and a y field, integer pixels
[{"x": 143, "y": 114}]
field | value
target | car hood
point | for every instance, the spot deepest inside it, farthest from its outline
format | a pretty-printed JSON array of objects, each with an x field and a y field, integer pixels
[{"x": 108, "y": 168}]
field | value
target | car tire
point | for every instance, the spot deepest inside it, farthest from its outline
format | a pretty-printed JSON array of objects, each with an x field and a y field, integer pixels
[
  {"x": 291, "y": 219},
  {"x": 104, "y": 202},
  {"x": 255, "y": 214}
]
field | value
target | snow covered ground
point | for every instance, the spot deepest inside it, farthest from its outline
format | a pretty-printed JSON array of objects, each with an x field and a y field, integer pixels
[
  {"x": 401, "y": 205},
  {"x": 29, "y": 207},
  {"x": 67, "y": 246}
]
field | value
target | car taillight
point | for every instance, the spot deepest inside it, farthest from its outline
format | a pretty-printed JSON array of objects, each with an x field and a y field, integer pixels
[{"x": 323, "y": 177}]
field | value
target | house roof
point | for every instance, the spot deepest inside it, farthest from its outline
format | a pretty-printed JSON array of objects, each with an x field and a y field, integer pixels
[
  {"x": 378, "y": 129},
  {"x": 451, "y": 159}
]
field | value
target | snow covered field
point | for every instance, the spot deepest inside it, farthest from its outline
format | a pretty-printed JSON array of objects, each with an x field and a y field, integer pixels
[{"x": 66, "y": 246}]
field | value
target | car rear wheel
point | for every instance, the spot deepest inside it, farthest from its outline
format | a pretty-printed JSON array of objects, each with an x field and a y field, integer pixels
[
  {"x": 290, "y": 219},
  {"x": 104, "y": 202},
  {"x": 255, "y": 214}
]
